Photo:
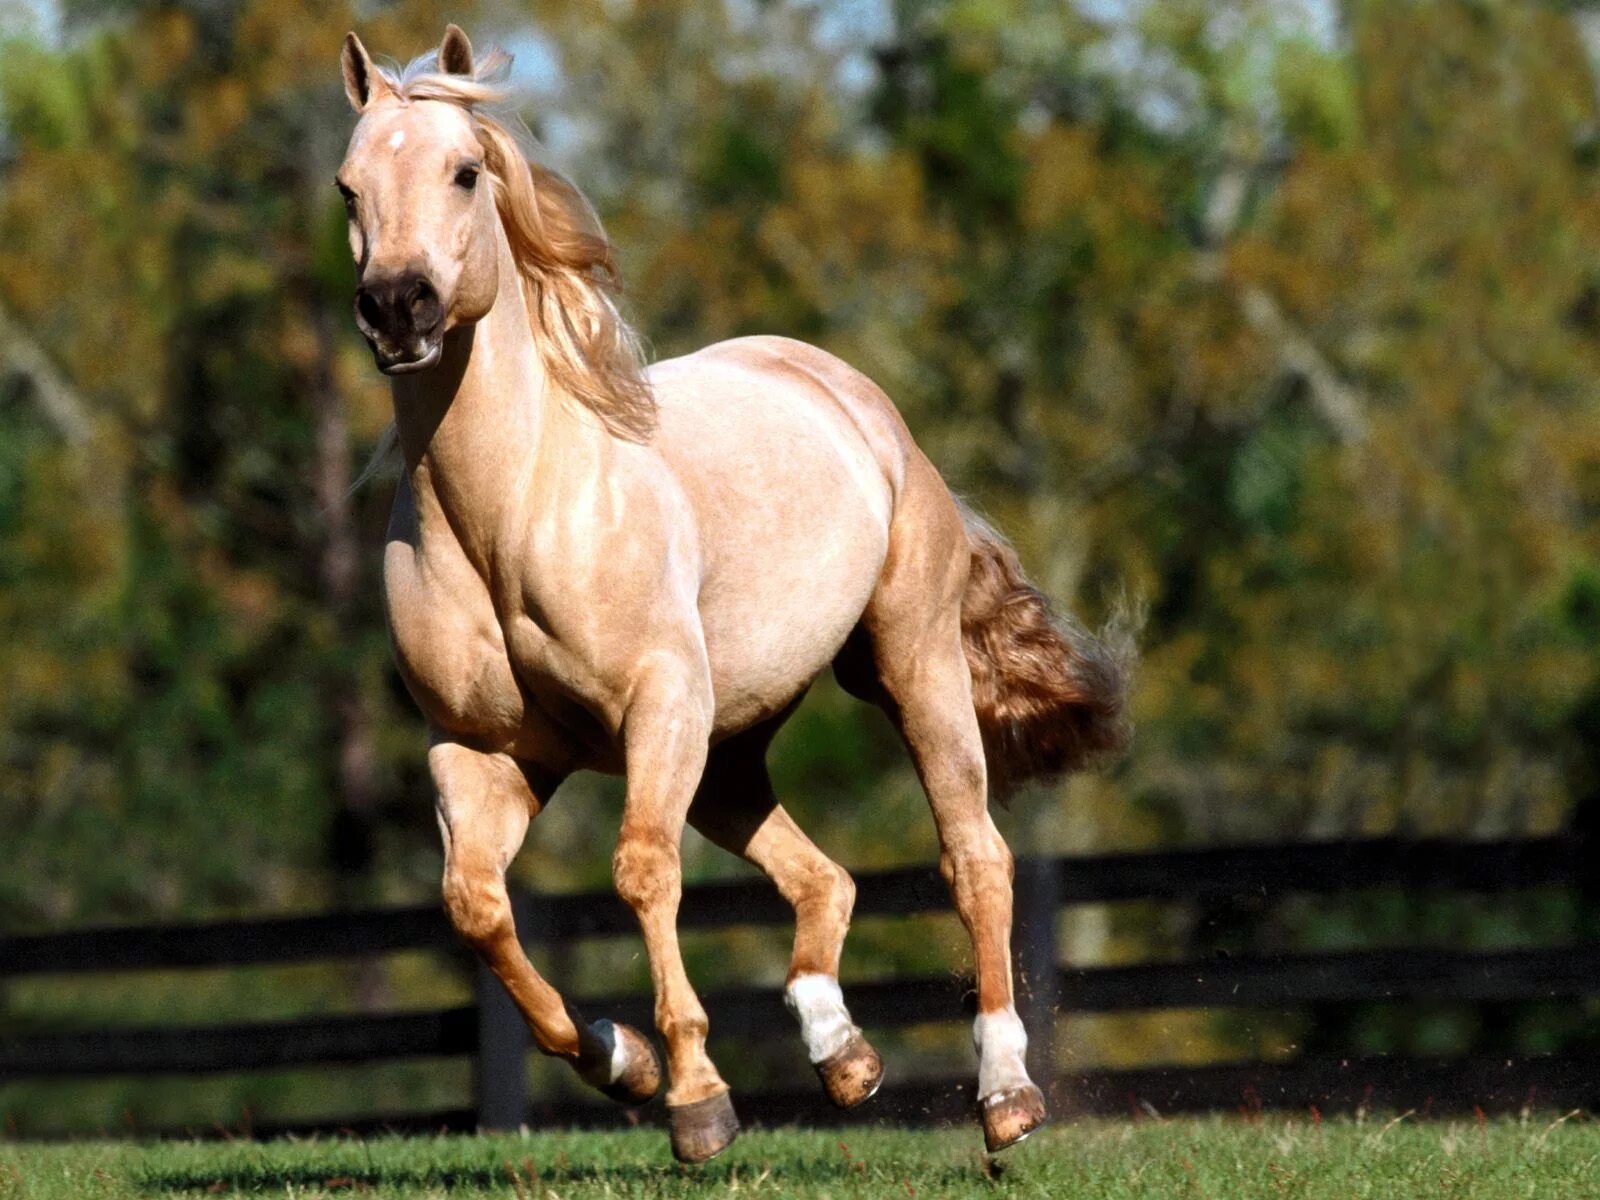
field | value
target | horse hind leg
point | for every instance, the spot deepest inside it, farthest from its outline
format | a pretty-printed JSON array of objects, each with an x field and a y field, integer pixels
[
  {"x": 941, "y": 730},
  {"x": 736, "y": 809},
  {"x": 913, "y": 624},
  {"x": 485, "y": 806}
]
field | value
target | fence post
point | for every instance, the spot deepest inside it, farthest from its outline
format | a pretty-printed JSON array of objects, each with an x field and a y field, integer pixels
[
  {"x": 1037, "y": 957},
  {"x": 500, "y": 1071}
]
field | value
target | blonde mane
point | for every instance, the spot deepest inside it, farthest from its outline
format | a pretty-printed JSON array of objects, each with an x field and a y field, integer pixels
[{"x": 567, "y": 265}]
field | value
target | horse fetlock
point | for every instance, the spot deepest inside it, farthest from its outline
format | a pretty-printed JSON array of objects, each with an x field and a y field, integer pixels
[
  {"x": 818, "y": 1004},
  {"x": 848, "y": 1066},
  {"x": 1002, "y": 1045},
  {"x": 620, "y": 1062}
]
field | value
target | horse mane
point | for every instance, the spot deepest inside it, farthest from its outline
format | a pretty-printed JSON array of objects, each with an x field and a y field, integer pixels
[{"x": 567, "y": 265}]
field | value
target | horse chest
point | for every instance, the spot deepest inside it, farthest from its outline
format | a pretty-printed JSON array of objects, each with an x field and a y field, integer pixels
[
  {"x": 449, "y": 645},
  {"x": 475, "y": 675}
]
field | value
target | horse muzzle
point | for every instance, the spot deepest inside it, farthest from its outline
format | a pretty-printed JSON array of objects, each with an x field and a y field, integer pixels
[{"x": 403, "y": 321}]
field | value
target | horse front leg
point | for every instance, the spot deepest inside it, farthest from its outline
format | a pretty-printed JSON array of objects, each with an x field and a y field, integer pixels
[
  {"x": 666, "y": 730},
  {"x": 485, "y": 805}
]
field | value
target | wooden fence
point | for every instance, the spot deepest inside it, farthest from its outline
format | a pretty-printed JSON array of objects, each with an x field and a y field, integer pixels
[{"x": 492, "y": 1032}]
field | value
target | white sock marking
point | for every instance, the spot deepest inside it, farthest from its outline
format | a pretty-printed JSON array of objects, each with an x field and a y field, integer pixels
[
  {"x": 818, "y": 1004},
  {"x": 1002, "y": 1047},
  {"x": 612, "y": 1071}
]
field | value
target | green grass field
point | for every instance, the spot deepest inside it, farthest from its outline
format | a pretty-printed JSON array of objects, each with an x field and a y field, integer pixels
[{"x": 1222, "y": 1158}]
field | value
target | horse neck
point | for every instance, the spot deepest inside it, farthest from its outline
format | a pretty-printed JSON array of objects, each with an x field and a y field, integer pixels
[{"x": 470, "y": 427}]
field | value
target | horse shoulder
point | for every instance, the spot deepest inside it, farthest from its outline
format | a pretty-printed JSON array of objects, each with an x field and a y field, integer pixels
[
  {"x": 609, "y": 578},
  {"x": 447, "y": 643}
]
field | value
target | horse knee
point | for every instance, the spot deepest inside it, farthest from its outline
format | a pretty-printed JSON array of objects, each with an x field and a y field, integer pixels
[
  {"x": 477, "y": 905},
  {"x": 645, "y": 868}
]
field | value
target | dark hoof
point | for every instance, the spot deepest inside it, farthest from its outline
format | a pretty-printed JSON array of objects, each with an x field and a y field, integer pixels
[
  {"x": 1010, "y": 1116},
  {"x": 641, "y": 1069},
  {"x": 852, "y": 1074},
  {"x": 702, "y": 1130}
]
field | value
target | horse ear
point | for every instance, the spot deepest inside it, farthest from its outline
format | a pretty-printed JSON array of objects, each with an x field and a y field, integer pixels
[
  {"x": 455, "y": 52},
  {"x": 362, "y": 81}
]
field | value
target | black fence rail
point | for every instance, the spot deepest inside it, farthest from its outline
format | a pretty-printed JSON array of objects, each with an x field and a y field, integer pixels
[{"x": 493, "y": 1034}]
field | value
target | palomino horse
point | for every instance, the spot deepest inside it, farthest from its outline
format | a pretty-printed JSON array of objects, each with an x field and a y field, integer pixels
[{"x": 591, "y": 565}]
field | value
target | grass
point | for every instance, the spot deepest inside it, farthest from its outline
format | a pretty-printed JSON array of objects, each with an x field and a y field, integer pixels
[{"x": 1224, "y": 1158}]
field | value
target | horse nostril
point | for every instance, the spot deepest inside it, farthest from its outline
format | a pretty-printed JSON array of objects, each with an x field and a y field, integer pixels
[
  {"x": 368, "y": 309},
  {"x": 423, "y": 303}
]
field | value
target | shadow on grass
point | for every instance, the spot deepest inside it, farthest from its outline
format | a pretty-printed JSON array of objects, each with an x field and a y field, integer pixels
[
  {"x": 275, "y": 1179},
  {"x": 267, "y": 1178}
]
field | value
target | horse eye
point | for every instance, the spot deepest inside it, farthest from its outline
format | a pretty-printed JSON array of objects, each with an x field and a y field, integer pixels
[
  {"x": 347, "y": 196},
  {"x": 467, "y": 177}
]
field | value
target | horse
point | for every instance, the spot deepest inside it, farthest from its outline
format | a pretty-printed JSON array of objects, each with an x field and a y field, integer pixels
[{"x": 596, "y": 565}]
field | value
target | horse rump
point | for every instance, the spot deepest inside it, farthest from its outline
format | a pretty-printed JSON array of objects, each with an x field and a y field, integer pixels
[{"x": 1051, "y": 696}]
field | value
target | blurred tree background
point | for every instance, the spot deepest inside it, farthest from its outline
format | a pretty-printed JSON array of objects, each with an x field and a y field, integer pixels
[{"x": 1277, "y": 317}]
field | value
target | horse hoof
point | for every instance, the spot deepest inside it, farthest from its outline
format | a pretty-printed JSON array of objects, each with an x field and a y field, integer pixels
[
  {"x": 1010, "y": 1116},
  {"x": 852, "y": 1074},
  {"x": 633, "y": 1062},
  {"x": 702, "y": 1130}
]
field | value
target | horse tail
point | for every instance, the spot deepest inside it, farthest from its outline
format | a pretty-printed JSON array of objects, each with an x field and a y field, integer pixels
[{"x": 1051, "y": 696}]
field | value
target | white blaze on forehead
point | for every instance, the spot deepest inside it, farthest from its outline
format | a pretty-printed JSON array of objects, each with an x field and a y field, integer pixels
[
  {"x": 818, "y": 1004},
  {"x": 397, "y": 139},
  {"x": 1002, "y": 1046}
]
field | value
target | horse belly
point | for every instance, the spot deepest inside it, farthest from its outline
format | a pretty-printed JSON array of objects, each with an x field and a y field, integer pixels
[
  {"x": 789, "y": 582},
  {"x": 761, "y": 665}
]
